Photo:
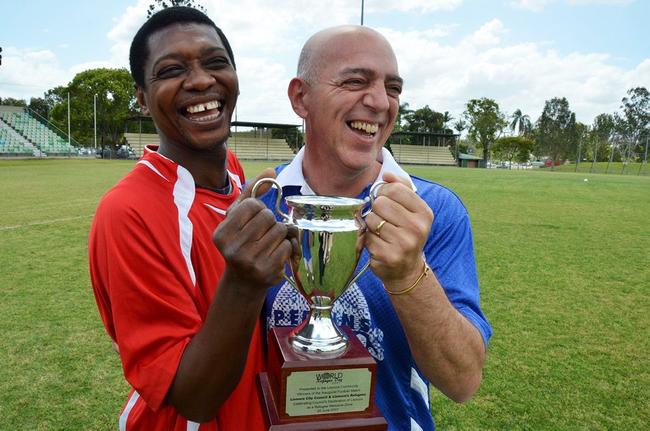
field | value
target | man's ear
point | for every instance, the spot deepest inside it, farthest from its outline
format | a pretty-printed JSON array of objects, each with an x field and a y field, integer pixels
[
  {"x": 139, "y": 94},
  {"x": 297, "y": 92}
]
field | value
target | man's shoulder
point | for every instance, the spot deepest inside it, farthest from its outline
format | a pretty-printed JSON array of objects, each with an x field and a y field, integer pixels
[
  {"x": 140, "y": 189},
  {"x": 280, "y": 168},
  {"x": 436, "y": 194}
]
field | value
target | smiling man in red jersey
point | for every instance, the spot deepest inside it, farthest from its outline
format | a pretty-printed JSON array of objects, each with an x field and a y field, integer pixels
[{"x": 181, "y": 299}]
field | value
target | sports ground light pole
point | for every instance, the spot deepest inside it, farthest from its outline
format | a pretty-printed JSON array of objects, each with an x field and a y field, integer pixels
[
  {"x": 361, "y": 12},
  {"x": 68, "y": 118},
  {"x": 95, "y": 118}
]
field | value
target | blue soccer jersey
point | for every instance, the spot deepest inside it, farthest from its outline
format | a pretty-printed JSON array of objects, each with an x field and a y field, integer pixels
[{"x": 402, "y": 391}]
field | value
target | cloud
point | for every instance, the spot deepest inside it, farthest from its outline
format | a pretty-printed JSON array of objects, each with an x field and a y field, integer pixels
[
  {"x": 539, "y": 5},
  {"x": 442, "y": 67},
  {"x": 413, "y": 5},
  {"x": 487, "y": 34},
  {"x": 125, "y": 28},
  {"x": 518, "y": 76},
  {"x": 263, "y": 85},
  {"x": 267, "y": 40},
  {"x": 29, "y": 73}
]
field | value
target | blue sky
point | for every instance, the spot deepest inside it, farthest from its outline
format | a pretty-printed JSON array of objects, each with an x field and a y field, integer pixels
[{"x": 518, "y": 52}]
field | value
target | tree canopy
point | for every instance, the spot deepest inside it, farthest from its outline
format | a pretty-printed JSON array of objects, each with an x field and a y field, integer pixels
[
  {"x": 116, "y": 102},
  {"x": 486, "y": 122},
  {"x": 513, "y": 148},
  {"x": 157, "y": 5},
  {"x": 556, "y": 134}
]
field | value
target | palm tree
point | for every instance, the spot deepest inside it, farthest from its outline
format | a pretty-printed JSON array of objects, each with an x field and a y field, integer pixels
[
  {"x": 520, "y": 123},
  {"x": 460, "y": 125},
  {"x": 446, "y": 118}
]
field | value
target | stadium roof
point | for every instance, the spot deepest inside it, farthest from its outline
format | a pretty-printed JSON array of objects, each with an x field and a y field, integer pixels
[
  {"x": 236, "y": 123},
  {"x": 265, "y": 125},
  {"x": 435, "y": 134}
]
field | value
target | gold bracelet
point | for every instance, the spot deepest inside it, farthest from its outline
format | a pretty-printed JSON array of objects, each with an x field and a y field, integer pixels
[{"x": 412, "y": 286}]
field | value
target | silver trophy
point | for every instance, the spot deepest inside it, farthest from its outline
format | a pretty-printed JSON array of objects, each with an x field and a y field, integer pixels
[{"x": 329, "y": 229}]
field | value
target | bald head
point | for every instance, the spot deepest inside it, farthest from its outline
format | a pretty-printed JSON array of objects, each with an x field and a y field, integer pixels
[{"x": 316, "y": 51}]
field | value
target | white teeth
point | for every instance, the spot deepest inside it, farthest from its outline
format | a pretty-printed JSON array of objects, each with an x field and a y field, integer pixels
[
  {"x": 196, "y": 108},
  {"x": 370, "y": 128},
  {"x": 213, "y": 105},
  {"x": 200, "y": 107}
]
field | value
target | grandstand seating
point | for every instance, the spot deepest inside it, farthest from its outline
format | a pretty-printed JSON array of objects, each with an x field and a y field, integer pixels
[
  {"x": 245, "y": 146},
  {"x": 39, "y": 137},
  {"x": 423, "y": 155},
  {"x": 11, "y": 145},
  {"x": 137, "y": 141},
  {"x": 248, "y": 146}
]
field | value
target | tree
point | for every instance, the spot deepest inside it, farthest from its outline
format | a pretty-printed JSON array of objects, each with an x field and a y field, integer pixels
[
  {"x": 446, "y": 118},
  {"x": 513, "y": 148},
  {"x": 520, "y": 124},
  {"x": 424, "y": 120},
  {"x": 556, "y": 130},
  {"x": 115, "y": 104},
  {"x": 581, "y": 132},
  {"x": 10, "y": 101},
  {"x": 164, "y": 4},
  {"x": 402, "y": 113},
  {"x": 460, "y": 125},
  {"x": 636, "y": 111},
  {"x": 460, "y": 146},
  {"x": 39, "y": 106},
  {"x": 602, "y": 131},
  {"x": 486, "y": 122}
]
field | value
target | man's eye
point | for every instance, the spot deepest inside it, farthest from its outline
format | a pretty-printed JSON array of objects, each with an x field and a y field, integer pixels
[
  {"x": 217, "y": 63},
  {"x": 394, "y": 90},
  {"x": 354, "y": 82},
  {"x": 169, "y": 72}
]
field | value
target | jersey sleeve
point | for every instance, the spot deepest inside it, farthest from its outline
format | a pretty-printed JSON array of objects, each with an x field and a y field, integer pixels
[
  {"x": 144, "y": 297},
  {"x": 449, "y": 252}
]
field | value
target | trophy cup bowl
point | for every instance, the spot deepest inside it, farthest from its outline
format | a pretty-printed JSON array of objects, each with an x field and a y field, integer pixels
[
  {"x": 328, "y": 228},
  {"x": 328, "y": 234}
]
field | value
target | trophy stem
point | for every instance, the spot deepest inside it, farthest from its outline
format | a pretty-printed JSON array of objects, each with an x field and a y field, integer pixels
[{"x": 318, "y": 335}]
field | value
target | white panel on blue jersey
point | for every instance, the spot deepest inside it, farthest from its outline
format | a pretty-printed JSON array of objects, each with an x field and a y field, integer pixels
[
  {"x": 415, "y": 426},
  {"x": 419, "y": 386}
]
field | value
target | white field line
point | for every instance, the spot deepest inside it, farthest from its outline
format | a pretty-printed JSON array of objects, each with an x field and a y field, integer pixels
[{"x": 38, "y": 223}]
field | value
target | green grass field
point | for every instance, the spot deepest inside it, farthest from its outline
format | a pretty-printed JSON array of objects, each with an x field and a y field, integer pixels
[
  {"x": 614, "y": 168},
  {"x": 564, "y": 266}
]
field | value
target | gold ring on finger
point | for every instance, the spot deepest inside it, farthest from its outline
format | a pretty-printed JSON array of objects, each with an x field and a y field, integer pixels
[{"x": 379, "y": 226}]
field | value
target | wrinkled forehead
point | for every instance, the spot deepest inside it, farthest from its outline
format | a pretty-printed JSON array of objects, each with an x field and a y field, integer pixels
[
  {"x": 358, "y": 50},
  {"x": 181, "y": 36}
]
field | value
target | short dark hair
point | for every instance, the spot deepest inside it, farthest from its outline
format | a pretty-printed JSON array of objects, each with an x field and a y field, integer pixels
[{"x": 139, "y": 53}]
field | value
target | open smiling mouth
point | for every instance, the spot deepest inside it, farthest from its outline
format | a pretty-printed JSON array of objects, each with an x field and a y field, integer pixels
[
  {"x": 203, "y": 112},
  {"x": 366, "y": 129}
]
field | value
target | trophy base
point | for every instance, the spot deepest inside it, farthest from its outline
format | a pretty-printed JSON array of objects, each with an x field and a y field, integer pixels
[
  {"x": 306, "y": 392},
  {"x": 375, "y": 422}
]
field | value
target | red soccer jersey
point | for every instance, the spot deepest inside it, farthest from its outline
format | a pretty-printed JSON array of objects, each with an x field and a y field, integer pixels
[{"x": 154, "y": 271}]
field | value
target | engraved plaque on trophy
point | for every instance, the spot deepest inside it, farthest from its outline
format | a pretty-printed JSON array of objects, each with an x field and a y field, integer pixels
[{"x": 321, "y": 376}]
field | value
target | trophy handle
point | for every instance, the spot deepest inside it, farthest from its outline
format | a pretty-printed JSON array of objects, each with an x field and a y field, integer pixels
[
  {"x": 373, "y": 191},
  {"x": 278, "y": 198},
  {"x": 284, "y": 215}
]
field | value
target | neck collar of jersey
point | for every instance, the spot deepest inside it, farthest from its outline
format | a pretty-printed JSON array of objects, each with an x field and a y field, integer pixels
[{"x": 292, "y": 174}]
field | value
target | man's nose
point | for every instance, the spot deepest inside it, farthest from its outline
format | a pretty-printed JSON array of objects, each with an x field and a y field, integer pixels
[
  {"x": 376, "y": 97},
  {"x": 198, "y": 79}
]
